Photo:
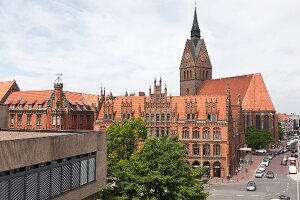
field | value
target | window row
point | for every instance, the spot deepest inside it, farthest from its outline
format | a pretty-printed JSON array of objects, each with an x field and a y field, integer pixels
[
  {"x": 29, "y": 119},
  {"x": 158, "y": 117},
  {"x": 202, "y": 75},
  {"x": 22, "y": 106},
  {"x": 206, "y": 151},
  {"x": 205, "y": 133},
  {"x": 159, "y": 131}
]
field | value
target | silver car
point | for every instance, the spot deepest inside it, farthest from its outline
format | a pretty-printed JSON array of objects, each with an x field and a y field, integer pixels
[
  {"x": 259, "y": 174},
  {"x": 251, "y": 186}
]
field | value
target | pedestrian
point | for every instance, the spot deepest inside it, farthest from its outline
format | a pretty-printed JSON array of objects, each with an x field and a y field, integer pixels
[
  {"x": 228, "y": 177},
  {"x": 246, "y": 170},
  {"x": 236, "y": 171}
]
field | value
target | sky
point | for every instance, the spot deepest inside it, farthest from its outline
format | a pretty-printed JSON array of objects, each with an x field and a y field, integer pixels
[{"x": 123, "y": 45}]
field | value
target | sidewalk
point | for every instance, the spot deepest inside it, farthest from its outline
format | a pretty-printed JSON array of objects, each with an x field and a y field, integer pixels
[{"x": 242, "y": 175}]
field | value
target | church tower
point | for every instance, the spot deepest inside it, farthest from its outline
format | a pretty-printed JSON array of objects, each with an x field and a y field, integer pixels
[{"x": 195, "y": 66}]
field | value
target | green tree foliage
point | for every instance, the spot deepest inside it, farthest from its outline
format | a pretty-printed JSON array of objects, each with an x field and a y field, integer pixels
[
  {"x": 258, "y": 138},
  {"x": 122, "y": 140},
  {"x": 280, "y": 131},
  {"x": 157, "y": 171}
]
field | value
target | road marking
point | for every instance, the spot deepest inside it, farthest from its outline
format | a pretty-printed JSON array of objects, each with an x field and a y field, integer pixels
[{"x": 239, "y": 195}]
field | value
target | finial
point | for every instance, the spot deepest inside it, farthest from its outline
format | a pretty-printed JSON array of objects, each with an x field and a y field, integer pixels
[{"x": 58, "y": 79}]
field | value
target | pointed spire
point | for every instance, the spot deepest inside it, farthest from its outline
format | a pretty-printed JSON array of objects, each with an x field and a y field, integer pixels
[{"x": 195, "y": 31}]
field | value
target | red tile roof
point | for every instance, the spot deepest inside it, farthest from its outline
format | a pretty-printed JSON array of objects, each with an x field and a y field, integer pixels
[
  {"x": 4, "y": 88},
  {"x": 251, "y": 88},
  {"x": 282, "y": 116}
]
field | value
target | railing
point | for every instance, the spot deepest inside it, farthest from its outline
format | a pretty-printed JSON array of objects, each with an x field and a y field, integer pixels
[{"x": 49, "y": 181}]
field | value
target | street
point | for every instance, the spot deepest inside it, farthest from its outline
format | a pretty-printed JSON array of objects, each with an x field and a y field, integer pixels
[{"x": 266, "y": 189}]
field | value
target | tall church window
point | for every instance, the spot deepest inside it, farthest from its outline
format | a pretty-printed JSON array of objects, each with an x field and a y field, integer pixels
[
  {"x": 196, "y": 149},
  {"x": 206, "y": 133},
  {"x": 206, "y": 149},
  {"x": 217, "y": 133},
  {"x": 266, "y": 122},
  {"x": 206, "y": 75},
  {"x": 200, "y": 74},
  {"x": 187, "y": 75},
  {"x": 184, "y": 76},
  {"x": 190, "y": 74},
  {"x": 203, "y": 75},
  {"x": 185, "y": 133},
  {"x": 196, "y": 133},
  {"x": 257, "y": 121}
]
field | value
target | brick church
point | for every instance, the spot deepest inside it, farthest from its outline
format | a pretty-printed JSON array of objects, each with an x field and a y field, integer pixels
[{"x": 210, "y": 115}]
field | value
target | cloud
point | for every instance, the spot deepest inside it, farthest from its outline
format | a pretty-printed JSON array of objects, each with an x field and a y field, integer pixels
[{"x": 123, "y": 45}]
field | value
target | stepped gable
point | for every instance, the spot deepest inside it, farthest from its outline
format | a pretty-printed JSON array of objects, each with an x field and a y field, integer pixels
[{"x": 251, "y": 88}]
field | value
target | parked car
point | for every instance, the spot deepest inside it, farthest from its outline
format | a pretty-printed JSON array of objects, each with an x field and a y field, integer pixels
[
  {"x": 270, "y": 174},
  {"x": 259, "y": 174},
  {"x": 262, "y": 168},
  {"x": 271, "y": 156},
  {"x": 251, "y": 186},
  {"x": 294, "y": 150},
  {"x": 261, "y": 151},
  {"x": 284, "y": 162},
  {"x": 292, "y": 169},
  {"x": 284, "y": 197}
]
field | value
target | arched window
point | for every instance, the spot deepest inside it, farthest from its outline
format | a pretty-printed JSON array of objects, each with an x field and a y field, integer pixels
[
  {"x": 257, "y": 120},
  {"x": 190, "y": 74},
  {"x": 185, "y": 133},
  {"x": 187, "y": 75},
  {"x": 196, "y": 163},
  {"x": 196, "y": 149},
  {"x": 266, "y": 122},
  {"x": 203, "y": 78},
  {"x": 184, "y": 76},
  {"x": 206, "y": 133},
  {"x": 196, "y": 134},
  {"x": 217, "y": 150},
  {"x": 217, "y": 133},
  {"x": 206, "y": 149},
  {"x": 200, "y": 75},
  {"x": 206, "y": 75}
]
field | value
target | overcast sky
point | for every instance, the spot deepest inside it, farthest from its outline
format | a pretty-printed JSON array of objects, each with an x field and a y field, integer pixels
[{"x": 124, "y": 44}]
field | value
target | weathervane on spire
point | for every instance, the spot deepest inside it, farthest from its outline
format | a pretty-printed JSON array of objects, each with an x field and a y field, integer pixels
[{"x": 58, "y": 79}]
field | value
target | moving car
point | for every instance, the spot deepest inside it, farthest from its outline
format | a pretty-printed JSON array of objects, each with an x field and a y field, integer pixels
[
  {"x": 266, "y": 162},
  {"x": 251, "y": 186},
  {"x": 259, "y": 174},
  {"x": 284, "y": 162},
  {"x": 270, "y": 174},
  {"x": 262, "y": 168}
]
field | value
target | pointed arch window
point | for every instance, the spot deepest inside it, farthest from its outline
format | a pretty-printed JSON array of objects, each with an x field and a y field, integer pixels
[
  {"x": 196, "y": 149},
  {"x": 257, "y": 120},
  {"x": 206, "y": 133},
  {"x": 185, "y": 133},
  {"x": 196, "y": 134},
  {"x": 217, "y": 133},
  {"x": 266, "y": 122},
  {"x": 217, "y": 150},
  {"x": 206, "y": 150}
]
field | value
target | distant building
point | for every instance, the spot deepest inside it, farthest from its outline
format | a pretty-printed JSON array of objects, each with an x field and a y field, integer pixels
[
  {"x": 286, "y": 123},
  {"x": 3, "y": 116},
  {"x": 52, "y": 165},
  {"x": 296, "y": 122},
  {"x": 51, "y": 109}
]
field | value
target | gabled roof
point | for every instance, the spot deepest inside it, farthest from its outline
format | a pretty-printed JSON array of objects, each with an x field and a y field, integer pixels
[
  {"x": 41, "y": 96},
  {"x": 5, "y": 88},
  {"x": 251, "y": 88}
]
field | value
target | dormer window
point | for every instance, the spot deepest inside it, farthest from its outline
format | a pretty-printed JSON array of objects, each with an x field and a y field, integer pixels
[
  {"x": 29, "y": 106},
  {"x": 74, "y": 107},
  {"x": 13, "y": 106},
  {"x": 81, "y": 107},
  {"x": 88, "y": 107},
  {"x": 40, "y": 106},
  {"x": 21, "y": 107}
]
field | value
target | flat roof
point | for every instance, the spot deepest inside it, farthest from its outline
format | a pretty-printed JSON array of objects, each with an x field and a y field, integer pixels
[{"x": 6, "y": 135}]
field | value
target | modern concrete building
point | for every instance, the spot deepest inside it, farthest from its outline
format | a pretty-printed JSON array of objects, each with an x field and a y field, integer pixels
[{"x": 52, "y": 165}]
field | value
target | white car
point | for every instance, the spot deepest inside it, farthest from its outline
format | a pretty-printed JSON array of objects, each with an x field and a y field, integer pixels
[
  {"x": 265, "y": 162},
  {"x": 262, "y": 168},
  {"x": 292, "y": 169},
  {"x": 284, "y": 158},
  {"x": 259, "y": 174},
  {"x": 261, "y": 151}
]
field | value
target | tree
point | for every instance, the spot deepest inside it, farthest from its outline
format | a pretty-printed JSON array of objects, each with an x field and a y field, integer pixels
[
  {"x": 157, "y": 171},
  {"x": 122, "y": 140},
  {"x": 257, "y": 138},
  {"x": 280, "y": 131}
]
